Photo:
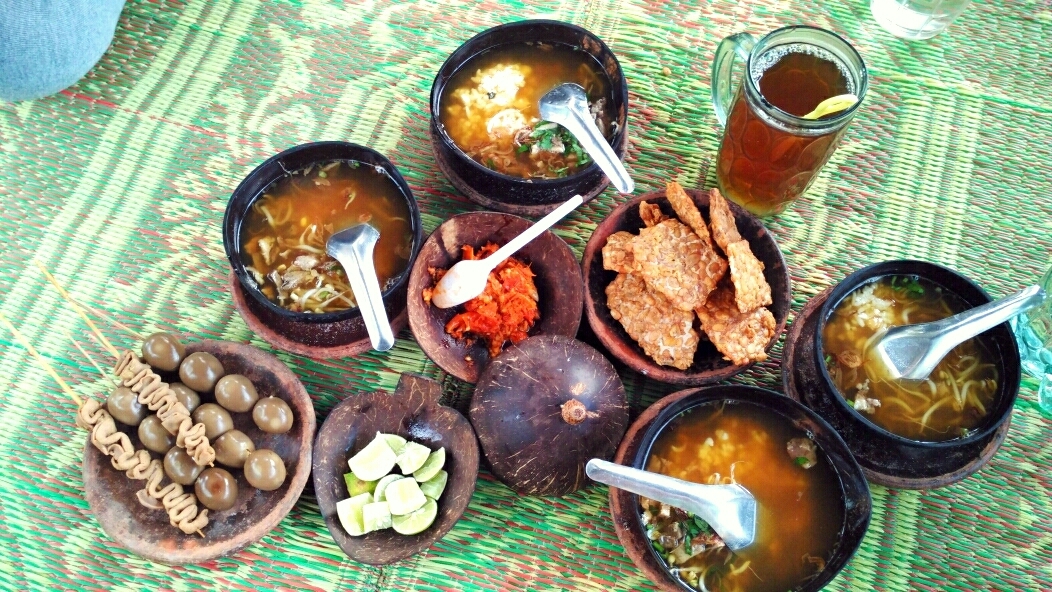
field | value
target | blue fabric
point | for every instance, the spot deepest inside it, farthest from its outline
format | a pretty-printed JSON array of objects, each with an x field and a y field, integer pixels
[{"x": 48, "y": 45}]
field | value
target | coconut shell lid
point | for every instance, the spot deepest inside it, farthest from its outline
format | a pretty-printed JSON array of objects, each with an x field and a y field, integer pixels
[{"x": 543, "y": 408}]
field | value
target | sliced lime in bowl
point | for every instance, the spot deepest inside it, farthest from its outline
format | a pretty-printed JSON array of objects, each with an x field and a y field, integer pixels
[
  {"x": 417, "y": 521},
  {"x": 434, "y": 463},
  {"x": 404, "y": 496}
]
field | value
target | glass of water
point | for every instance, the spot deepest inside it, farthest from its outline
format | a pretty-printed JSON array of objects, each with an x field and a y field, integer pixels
[
  {"x": 1033, "y": 333},
  {"x": 916, "y": 19}
]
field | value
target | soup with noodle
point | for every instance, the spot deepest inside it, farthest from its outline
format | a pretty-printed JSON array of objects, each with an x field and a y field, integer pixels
[
  {"x": 284, "y": 233},
  {"x": 952, "y": 401},
  {"x": 489, "y": 109},
  {"x": 798, "y": 492}
]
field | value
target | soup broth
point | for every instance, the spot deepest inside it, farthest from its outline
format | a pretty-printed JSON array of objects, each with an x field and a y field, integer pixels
[
  {"x": 801, "y": 509},
  {"x": 284, "y": 233},
  {"x": 490, "y": 109},
  {"x": 956, "y": 396}
]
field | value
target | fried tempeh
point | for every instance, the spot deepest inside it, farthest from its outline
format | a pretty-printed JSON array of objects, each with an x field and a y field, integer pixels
[
  {"x": 677, "y": 264},
  {"x": 617, "y": 252},
  {"x": 665, "y": 333},
  {"x": 687, "y": 211},
  {"x": 740, "y": 337},
  {"x": 751, "y": 290},
  {"x": 651, "y": 214},
  {"x": 724, "y": 230}
]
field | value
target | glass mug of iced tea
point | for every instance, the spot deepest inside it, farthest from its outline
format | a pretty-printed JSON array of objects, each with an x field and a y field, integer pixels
[{"x": 770, "y": 154}]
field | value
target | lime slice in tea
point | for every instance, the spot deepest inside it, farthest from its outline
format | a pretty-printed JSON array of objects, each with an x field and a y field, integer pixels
[
  {"x": 356, "y": 486},
  {"x": 380, "y": 493},
  {"x": 396, "y": 442},
  {"x": 434, "y": 486},
  {"x": 418, "y": 521},
  {"x": 404, "y": 496},
  {"x": 376, "y": 516},
  {"x": 434, "y": 463},
  {"x": 349, "y": 512},
  {"x": 413, "y": 457},
  {"x": 374, "y": 461}
]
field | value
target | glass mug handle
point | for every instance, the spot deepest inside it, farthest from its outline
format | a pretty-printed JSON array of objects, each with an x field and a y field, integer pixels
[{"x": 722, "y": 93}]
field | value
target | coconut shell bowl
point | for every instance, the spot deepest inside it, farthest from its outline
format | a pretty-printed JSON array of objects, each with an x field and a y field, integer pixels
[
  {"x": 319, "y": 335},
  {"x": 148, "y": 533},
  {"x": 709, "y": 364},
  {"x": 888, "y": 458},
  {"x": 635, "y": 450},
  {"x": 557, "y": 276},
  {"x": 414, "y": 413}
]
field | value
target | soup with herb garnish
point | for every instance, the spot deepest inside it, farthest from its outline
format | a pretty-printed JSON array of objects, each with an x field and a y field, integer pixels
[
  {"x": 490, "y": 109},
  {"x": 284, "y": 233},
  {"x": 952, "y": 401},
  {"x": 798, "y": 493}
]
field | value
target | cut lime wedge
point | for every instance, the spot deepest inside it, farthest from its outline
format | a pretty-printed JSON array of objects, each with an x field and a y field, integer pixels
[
  {"x": 413, "y": 457},
  {"x": 396, "y": 442},
  {"x": 418, "y": 521},
  {"x": 434, "y": 463},
  {"x": 356, "y": 486},
  {"x": 434, "y": 486},
  {"x": 404, "y": 496},
  {"x": 376, "y": 516},
  {"x": 374, "y": 461},
  {"x": 832, "y": 105},
  {"x": 349, "y": 512},
  {"x": 380, "y": 494}
]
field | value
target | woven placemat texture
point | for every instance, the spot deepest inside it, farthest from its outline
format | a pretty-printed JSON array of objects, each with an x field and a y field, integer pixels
[{"x": 118, "y": 186}]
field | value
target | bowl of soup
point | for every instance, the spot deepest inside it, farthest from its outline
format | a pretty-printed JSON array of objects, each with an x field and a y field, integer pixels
[
  {"x": 813, "y": 499},
  {"x": 275, "y": 229},
  {"x": 486, "y": 130},
  {"x": 933, "y": 431}
]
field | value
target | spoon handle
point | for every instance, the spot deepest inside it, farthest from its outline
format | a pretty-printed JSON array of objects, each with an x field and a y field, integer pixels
[
  {"x": 357, "y": 261},
  {"x": 593, "y": 142},
  {"x": 533, "y": 231},
  {"x": 674, "y": 492},
  {"x": 972, "y": 322}
]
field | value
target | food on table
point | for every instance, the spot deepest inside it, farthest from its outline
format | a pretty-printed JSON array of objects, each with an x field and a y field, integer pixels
[
  {"x": 186, "y": 395},
  {"x": 235, "y": 393},
  {"x": 179, "y": 467},
  {"x": 284, "y": 233},
  {"x": 795, "y": 485},
  {"x": 163, "y": 351},
  {"x": 216, "y": 489},
  {"x": 233, "y": 448},
  {"x": 125, "y": 407},
  {"x": 154, "y": 436},
  {"x": 216, "y": 420},
  {"x": 505, "y": 311},
  {"x": 671, "y": 272},
  {"x": 490, "y": 110},
  {"x": 137, "y": 464},
  {"x": 200, "y": 371},
  {"x": 272, "y": 415},
  {"x": 264, "y": 470},
  {"x": 542, "y": 410},
  {"x": 406, "y": 501},
  {"x": 952, "y": 401}
]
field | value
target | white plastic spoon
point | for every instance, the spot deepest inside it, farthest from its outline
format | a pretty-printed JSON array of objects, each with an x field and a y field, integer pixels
[{"x": 467, "y": 279}]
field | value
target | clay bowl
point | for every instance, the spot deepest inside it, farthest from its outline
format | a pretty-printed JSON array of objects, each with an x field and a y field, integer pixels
[
  {"x": 147, "y": 533},
  {"x": 516, "y": 195},
  {"x": 557, "y": 276},
  {"x": 413, "y": 412},
  {"x": 635, "y": 450},
  {"x": 330, "y": 334},
  {"x": 908, "y": 462},
  {"x": 709, "y": 365}
]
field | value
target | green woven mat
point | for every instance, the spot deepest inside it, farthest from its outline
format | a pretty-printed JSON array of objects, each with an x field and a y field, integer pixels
[{"x": 118, "y": 185}]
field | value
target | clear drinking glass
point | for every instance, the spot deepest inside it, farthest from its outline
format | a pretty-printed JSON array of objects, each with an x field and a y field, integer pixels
[
  {"x": 916, "y": 19},
  {"x": 1033, "y": 333}
]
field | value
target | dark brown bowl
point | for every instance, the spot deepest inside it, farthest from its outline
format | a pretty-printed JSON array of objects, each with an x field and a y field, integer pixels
[
  {"x": 635, "y": 450},
  {"x": 527, "y": 197},
  {"x": 709, "y": 365},
  {"x": 901, "y": 461},
  {"x": 414, "y": 413},
  {"x": 147, "y": 533},
  {"x": 557, "y": 275}
]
